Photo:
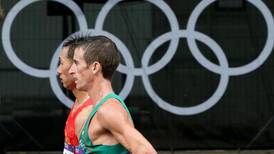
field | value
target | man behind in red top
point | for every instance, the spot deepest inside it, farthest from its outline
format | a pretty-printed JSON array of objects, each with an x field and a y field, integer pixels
[{"x": 83, "y": 104}]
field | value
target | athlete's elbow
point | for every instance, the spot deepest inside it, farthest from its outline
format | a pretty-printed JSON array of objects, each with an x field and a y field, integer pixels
[
  {"x": 151, "y": 151},
  {"x": 148, "y": 150}
]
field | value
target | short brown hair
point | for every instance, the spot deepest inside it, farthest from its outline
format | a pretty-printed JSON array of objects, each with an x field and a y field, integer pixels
[
  {"x": 103, "y": 50},
  {"x": 73, "y": 41}
]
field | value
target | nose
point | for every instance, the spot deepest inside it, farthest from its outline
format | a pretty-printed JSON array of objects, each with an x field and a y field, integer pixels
[
  {"x": 58, "y": 70},
  {"x": 72, "y": 69}
]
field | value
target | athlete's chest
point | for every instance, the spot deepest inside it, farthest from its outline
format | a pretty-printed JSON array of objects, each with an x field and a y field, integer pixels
[
  {"x": 98, "y": 134},
  {"x": 81, "y": 119}
]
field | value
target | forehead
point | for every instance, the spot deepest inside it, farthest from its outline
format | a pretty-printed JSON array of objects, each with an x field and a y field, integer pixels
[
  {"x": 64, "y": 52},
  {"x": 79, "y": 53}
]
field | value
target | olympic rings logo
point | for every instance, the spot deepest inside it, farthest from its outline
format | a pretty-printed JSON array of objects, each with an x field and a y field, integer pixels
[{"x": 130, "y": 70}]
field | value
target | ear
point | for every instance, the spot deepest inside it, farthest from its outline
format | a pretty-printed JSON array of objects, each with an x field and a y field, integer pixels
[{"x": 95, "y": 67}]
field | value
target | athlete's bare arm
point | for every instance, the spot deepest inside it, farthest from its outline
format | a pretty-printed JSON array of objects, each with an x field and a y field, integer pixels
[{"x": 113, "y": 117}]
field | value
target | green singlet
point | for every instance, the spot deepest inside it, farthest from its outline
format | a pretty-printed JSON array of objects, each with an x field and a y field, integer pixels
[{"x": 85, "y": 141}]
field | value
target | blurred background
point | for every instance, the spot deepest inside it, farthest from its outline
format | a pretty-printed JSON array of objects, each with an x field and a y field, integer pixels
[{"x": 215, "y": 101}]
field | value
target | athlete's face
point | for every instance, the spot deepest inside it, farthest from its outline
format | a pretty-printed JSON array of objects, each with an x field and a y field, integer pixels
[
  {"x": 81, "y": 72},
  {"x": 63, "y": 70}
]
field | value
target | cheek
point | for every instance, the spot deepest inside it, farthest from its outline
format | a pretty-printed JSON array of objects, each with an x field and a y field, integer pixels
[
  {"x": 66, "y": 68},
  {"x": 80, "y": 70},
  {"x": 61, "y": 70},
  {"x": 83, "y": 74}
]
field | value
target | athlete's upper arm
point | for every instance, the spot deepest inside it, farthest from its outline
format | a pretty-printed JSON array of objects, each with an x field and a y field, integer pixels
[{"x": 114, "y": 117}]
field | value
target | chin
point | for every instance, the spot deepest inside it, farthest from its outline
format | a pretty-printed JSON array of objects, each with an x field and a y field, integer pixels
[
  {"x": 68, "y": 87},
  {"x": 81, "y": 88},
  {"x": 64, "y": 85}
]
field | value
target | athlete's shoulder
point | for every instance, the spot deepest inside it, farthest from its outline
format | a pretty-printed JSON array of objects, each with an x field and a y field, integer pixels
[
  {"x": 111, "y": 110},
  {"x": 111, "y": 105}
]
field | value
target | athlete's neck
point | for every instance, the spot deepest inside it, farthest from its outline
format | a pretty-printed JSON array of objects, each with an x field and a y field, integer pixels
[
  {"x": 81, "y": 96},
  {"x": 99, "y": 90}
]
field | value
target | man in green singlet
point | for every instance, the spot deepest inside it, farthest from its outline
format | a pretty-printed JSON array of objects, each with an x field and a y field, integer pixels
[{"x": 109, "y": 128}]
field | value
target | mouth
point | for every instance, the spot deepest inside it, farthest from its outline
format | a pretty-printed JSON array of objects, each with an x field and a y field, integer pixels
[
  {"x": 60, "y": 79},
  {"x": 75, "y": 79}
]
